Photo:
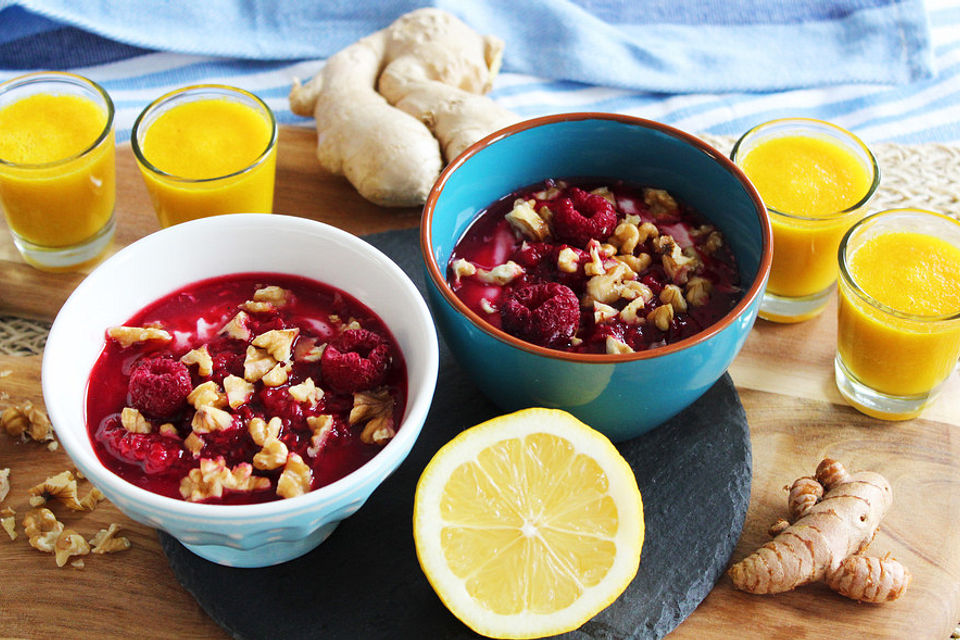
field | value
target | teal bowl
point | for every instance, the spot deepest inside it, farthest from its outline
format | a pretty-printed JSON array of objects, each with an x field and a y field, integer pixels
[{"x": 625, "y": 395}]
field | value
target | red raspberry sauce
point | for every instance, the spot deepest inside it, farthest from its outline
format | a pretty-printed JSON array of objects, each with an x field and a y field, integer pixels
[{"x": 194, "y": 315}]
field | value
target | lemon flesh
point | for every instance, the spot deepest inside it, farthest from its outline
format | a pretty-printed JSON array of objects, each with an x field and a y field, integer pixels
[{"x": 528, "y": 525}]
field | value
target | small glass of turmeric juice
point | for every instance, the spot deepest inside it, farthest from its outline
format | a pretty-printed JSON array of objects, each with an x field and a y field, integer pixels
[
  {"x": 57, "y": 169},
  {"x": 815, "y": 179},
  {"x": 207, "y": 150},
  {"x": 898, "y": 336}
]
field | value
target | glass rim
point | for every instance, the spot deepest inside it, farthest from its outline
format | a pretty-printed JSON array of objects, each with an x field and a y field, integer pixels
[
  {"x": 848, "y": 280},
  {"x": 67, "y": 78},
  {"x": 200, "y": 88},
  {"x": 874, "y": 165}
]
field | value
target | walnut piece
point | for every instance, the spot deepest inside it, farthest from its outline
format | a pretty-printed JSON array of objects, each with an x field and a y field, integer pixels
[
  {"x": 273, "y": 294},
  {"x": 634, "y": 289},
  {"x": 526, "y": 221},
  {"x": 69, "y": 544},
  {"x": 238, "y": 328},
  {"x": 603, "y": 312},
  {"x": 276, "y": 376},
  {"x": 261, "y": 431},
  {"x": 207, "y": 394},
  {"x": 607, "y": 286},
  {"x": 661, "y": 316},
  {"x": 194, "y": 444},
  {"x": 307, "y": 392},
  {"x": 257, "y": 307},
  {"x": 677, "y": 264},
  {"x": 14, "y": 420},
  {"x": 257, "y": 363},
  {"x": 208, "y": 418},
  {"x": 713, "y": 243},
  {"x": 42, "y": 529},
  {"x": 134, "y": 422},
  {"x": 273, "y": 455},
  {"x": 568, "y": 261},
  {"x": 296, "y": 478},
  {"x": 698, "y": 291},
  {"x": 660, "y": 203},
  {"x": 107, "y": 541},
  {"x": 307, "y": 350},
  {"x": 637, "y": 263},
  {"x": 238, "y": 391},
  {"x": 631, "y": 312},
  {"x": 615, "y": 346},
  {"x": 626, "y": 236},
  {"x": 376, "y": 409},
  {"x": 8, "y": 522},
  {"x": 127, "y": 336},
  {"x": 277, "y": 342},
  {"x": 487, "y": 306},
  {"x": 595, "y": 266},
  {"x": 501, "y": 274},
  {"x": 63, "y": 487},
  {"x": 27, "y": 420},
  {"x": 4, "y": 483},
  {"x": 201, "y": 358},
  {"x": 606, "y": 194},
  {"x": 213, "y": 476},
  {"x": 167, "y": 429},
  {"x": 322, "y": 427},
  {"x": 673, "y": 296}
]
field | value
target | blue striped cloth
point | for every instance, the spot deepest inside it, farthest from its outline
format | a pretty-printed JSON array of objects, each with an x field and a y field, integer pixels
[{"x": 887, "y": 69}]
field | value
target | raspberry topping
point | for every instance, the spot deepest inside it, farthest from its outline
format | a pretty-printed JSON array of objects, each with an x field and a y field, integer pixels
[
  {"x": 582, "y": 217},
  {"x": 153, "y": 452},
  {"x": 355, "y": 360},
  {"x": 159, "y": 386},
  {"x": 546, "y": 314}
]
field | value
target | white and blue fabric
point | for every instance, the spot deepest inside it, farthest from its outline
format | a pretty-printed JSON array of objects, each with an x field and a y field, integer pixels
[{"x": 887, "y": 69}]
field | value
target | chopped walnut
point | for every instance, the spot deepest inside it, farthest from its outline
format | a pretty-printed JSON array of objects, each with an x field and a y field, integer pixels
[
  {"x": 615, "y": 346},
  {"x": 69, "y": 544},
  {"x": 661, "y": 316},
  {"x": 257, "y": 307},
  {"x": 713, "y": 243},
  {"x": 462, "y": 269},
  {"x": 107, "y": 541},
  {"x": 526, "y": 221},
  {"x": 568, "y": 261},
  {"x": 295, "y": 479},
  {"x": 257, "y": 363},
  {"x": 551, "y": 192},
  {"x": 194, "y": 444},
  {"x": 607, "y": 286},
  {"x": 487, "y": 306},
  {"x": 127, "y": 336},
  {"x": 90, "y": 501},
  {"x": 678, "y": 265},
  {"x": 272, "y": 294},
  {"x": 167, "y": 429},
  {"x": 208, "y": 418},
  {"x": 673, "y": 296},
  {"x": 352, "y": 325},
  {"x": 595, "y": 266},
  {"x": 277, "y": 342},
  {"x": 307, "y": 392},
  {"x": 603, "y": 312},
  {"x": 501, "y": 274},
  {"x": 631, "y": 312},
  {"x": 276, "y": 376},
  {"x": 637, "y": 263},
  {"x": 4, "y": 483},
  {"x": 660, "y": 203},
  {"x": 27, "y": 420},
  {"x": 14, "y": 421},
  {"x": 63, "y": 487},
  {"x": 606, "y": 194},
  {"x": 698, "y": 291},
  {"x": 134, "y": 422},
  {"x": 648, "y": 230},
  {"x": 207, "y": 394},
  {"x": 201, "y": 358},
  {"x": 260, "y": 431},
  {"x": 42, "y": 529},
  {"x": 238, "y": 391},
  {"x": 8, "y": 522},
  {"x": 376, "y": 408},
  {"x": 213, "y": 476},
  {"x": 272, "y": 456},
  {"x": 237, "y": 327},
  {"x": 322, "y": 427},
  {"x": 626, "y": 236},
  {"x": 307, "y": 350},
  {"x": 634, "y": 289}
]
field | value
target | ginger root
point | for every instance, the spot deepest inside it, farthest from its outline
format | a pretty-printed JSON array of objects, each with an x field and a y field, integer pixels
[
  {"x": 386, "y": 105},
  {"x": 826, "y": 540}
]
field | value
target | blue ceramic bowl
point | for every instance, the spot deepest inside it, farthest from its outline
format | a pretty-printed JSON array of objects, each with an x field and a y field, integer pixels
[{"x": 621, "y": 395}]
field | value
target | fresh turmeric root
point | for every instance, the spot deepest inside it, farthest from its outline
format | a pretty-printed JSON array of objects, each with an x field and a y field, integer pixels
[{"x": 826, "y": 538}]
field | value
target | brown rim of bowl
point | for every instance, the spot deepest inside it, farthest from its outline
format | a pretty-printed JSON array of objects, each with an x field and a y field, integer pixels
[{"x": 596, "y": 358}]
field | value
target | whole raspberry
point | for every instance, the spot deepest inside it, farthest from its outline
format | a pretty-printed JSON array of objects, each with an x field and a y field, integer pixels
[
  {"x": 355, "y": 360},
  {"x": 151, "y": 451},
  {"x": 158, "y": 387},
  {"x": 546, "y": 314},
  {"x": 582, "y": 217}
]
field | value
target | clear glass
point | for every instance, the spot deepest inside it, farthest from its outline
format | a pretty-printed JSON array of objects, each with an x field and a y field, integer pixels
[
  {"x": 892, "y": 364},
  {"x": 60, "y": 212},
  {"x": 247, "y": 190},
  {"x": 804, "y": 270}
]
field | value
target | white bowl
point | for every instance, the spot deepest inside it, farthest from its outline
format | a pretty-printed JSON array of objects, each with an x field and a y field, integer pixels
[{"x": 251, "y": 535}]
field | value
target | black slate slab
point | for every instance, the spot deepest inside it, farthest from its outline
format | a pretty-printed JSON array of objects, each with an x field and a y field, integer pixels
[{"x": 364, "y": 580}]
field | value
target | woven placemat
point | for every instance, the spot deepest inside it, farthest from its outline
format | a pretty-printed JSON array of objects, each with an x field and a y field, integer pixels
[{"x": 921, "y": 176}]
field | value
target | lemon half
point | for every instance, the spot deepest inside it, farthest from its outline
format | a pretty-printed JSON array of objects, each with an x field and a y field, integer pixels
[{"x": 528, "y": 525}]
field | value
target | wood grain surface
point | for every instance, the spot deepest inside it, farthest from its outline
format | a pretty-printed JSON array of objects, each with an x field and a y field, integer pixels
[{"x": 785, "y": 379}]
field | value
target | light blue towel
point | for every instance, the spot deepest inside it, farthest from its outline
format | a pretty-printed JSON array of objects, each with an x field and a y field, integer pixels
[{"x": 670, "y": 46}]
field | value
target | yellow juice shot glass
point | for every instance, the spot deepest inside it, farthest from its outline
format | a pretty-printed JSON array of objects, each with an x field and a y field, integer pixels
[
  {"x": 815, "y": 179},
  {"x": 57, "y": 169},
  {"x": 207, "y": 150},
  {"x": 898, "y": 337}
]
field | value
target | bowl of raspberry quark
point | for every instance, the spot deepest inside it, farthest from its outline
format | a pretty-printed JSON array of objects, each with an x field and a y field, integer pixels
[
  {"x": 635, "y": 222},
  {"x": 385, "y": 344}
]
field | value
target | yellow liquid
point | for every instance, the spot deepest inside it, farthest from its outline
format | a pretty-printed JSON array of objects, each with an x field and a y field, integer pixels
[
  {"x": 912, "y": 273},
  {"x": 812, "y": 178},
  {"x": 64, "y": 204},
  {"x": 208, "y": 140}
]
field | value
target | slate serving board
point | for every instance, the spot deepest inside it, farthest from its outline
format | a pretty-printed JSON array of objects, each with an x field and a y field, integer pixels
[{"x": 364, "y": 580}]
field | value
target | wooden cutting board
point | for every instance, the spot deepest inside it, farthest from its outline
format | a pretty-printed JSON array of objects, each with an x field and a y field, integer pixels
[{"x": 785, "y": 379}]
